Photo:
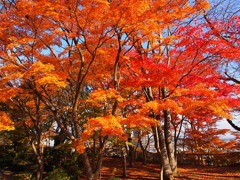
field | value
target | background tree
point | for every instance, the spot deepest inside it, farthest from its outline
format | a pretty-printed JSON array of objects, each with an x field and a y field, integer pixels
[
  {"x": 223, "y": 19},
  {"x": 204, "y": 138}
]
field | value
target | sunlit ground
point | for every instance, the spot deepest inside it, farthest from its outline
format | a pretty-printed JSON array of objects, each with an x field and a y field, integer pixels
[{"x": 112, "y": 168}]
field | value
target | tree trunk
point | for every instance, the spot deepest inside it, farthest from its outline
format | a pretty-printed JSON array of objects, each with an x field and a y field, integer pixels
[
  {"x": 168, "y": 140},
  {"x": 89, "y": 171},
  {"x": 144, "y": 149},
  {"x": 167, "y": 171},
  {"x": 144, "y": 157},
  {"x": 124, "y": 158},
  {"x": 131, "y": 152},
  {"x": 38, "y": 151},
  {"x": 161, "y": 143},
  {"x": 92, "y": 171},
  {"x": 168, "y": 136},
  {"x": 40, "y": 170}
]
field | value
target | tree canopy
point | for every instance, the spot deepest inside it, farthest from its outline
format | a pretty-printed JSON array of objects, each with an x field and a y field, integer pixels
[{"x": 98, "y": 69}]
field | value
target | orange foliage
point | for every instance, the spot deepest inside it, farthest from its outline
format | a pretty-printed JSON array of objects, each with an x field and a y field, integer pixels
[
  {"x": 5, "y": 122},
  {"x": 54, "y": 49},
  {"x": 100, "y": 126}
]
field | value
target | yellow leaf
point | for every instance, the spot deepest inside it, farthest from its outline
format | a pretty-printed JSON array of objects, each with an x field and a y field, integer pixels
[{"x": 5, "y": 122}]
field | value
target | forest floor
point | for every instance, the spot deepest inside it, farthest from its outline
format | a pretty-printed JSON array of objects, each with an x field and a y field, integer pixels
[{"x": 112, "y": 169}]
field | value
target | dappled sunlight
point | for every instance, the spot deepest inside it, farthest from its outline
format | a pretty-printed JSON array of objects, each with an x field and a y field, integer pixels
[
  {"x": 112, "y": 168},
  {"x": 209, "y": 172}
]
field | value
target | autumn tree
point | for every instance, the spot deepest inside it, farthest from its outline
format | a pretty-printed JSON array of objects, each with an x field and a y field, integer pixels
[
  {"x": 203, "y": 141},
  {"x": 204, "y": 138},
  {"x": 33, "y": 119},
  {"x": 195, "y": 96},
  {"x": 223, "y": 20},
  {"x": 179, "y": 76},
  {"x": 76, "y": 59},
  {"x": 49, "y": 48},
  {"x": 27, "y": 112}
]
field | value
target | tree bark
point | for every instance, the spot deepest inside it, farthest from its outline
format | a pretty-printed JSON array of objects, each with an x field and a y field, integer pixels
[
  {"x": 144, "y": 149},
  {"x": 160, "y": 140},
  {"x": 38, "y": 151},
  {"x": 124, "y": 158},
  {"x": 168, "y": 140},
  {"x": 92, "y": 170},
  {"x": 168, "y": 136},
  {"x": 89, "y": 171},
  {"x": 144, "y": 157},
  {"x": 40, "y": 162},
  {"x": 165, "y": 166},
  {"x": 131, "y": 152}
]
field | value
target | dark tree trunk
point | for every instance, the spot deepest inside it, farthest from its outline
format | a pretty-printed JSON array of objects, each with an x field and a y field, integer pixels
[
  {"x": 124, "y": 160},
  {"x": 92, "y": 170},
  {"x": 131, "y": 152},
  {"x": 60, "y": 138},
  {"x": 91, "y": 174},
  {"x": 144, "y": 149},
  {"x": 176, "y": 135},
  {"x": 144, "y": 157}
]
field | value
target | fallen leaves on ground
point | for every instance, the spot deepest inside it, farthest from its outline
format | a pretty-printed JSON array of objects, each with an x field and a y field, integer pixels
[{"x": 112, "y": 168}]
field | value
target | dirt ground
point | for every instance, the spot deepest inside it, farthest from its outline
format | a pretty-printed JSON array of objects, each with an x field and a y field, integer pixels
[{"x": 113, "y": 168}]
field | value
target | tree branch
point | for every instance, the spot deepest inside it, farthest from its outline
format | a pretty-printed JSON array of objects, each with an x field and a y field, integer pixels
[{"x": 233, "y": 125}]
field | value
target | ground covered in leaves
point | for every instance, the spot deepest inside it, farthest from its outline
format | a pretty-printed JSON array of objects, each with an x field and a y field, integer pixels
[{"x": 112, "y": 169}]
